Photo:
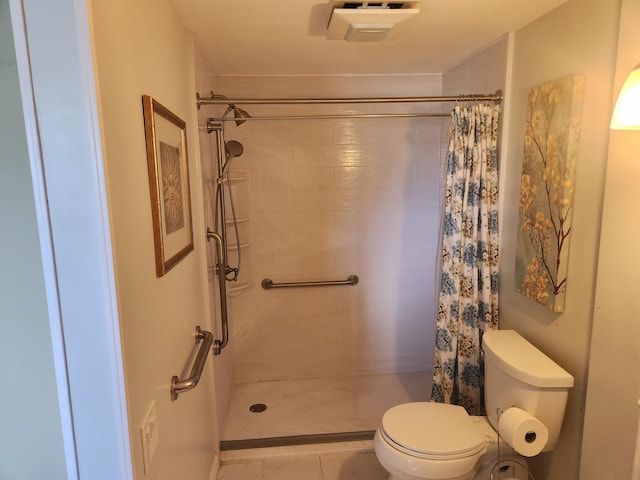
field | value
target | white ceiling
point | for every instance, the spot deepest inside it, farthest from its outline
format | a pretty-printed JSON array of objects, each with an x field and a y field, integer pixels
[{"x": 289, "y": 36}]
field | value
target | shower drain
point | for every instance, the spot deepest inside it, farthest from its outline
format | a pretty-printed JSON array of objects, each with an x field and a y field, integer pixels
[{"x": 257, "y": 408}]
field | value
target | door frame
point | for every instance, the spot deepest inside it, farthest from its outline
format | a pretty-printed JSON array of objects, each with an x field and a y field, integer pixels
[{"x": 61, "y": 112}]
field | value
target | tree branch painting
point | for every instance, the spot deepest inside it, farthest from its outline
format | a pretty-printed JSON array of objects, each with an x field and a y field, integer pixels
[{"x": 546, "y": 190}]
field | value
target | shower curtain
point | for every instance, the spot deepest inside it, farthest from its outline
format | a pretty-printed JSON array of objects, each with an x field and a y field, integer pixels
[{"x": 468, "y": 295}]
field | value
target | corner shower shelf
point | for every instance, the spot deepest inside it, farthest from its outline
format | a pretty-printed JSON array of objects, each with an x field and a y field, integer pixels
[
  {"x": 235, "y": 247},
  {"x": 233, "y": 179},
  {"x": 238, "y": 178},
  {"x": 238, "y": 287},
  {"x": 239, "y": 220},
  {"x": 233, "y": 288}
]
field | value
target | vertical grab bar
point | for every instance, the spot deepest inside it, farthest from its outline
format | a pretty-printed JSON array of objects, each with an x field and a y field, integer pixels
[{"x": 218, "y": 345}]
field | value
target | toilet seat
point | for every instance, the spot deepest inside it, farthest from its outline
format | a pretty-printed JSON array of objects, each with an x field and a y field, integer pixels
[{"x": 432, "y": 431}]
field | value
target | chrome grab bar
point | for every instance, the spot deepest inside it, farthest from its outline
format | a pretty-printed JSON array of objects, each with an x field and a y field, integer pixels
[
  {"x": 267, "y": 283},
  {"x": 180, "y": 386},
  {"x": 218, "y": 345}
]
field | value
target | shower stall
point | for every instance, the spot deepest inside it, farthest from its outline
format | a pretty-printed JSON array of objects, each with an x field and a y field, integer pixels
[{"x": 336, "y": 205}]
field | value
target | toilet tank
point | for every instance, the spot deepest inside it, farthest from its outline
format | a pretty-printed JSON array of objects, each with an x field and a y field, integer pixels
[{"x": 517, "y": 374}]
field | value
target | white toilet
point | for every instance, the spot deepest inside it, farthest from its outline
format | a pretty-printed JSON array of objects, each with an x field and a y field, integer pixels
[{"x": 435, "y": 441}]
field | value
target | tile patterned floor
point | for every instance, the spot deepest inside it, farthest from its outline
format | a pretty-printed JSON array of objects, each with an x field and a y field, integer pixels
[{"x": 330, "y": 466}]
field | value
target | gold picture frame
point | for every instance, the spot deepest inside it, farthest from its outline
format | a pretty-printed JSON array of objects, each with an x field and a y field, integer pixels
[{"x": 168, "y": 163}]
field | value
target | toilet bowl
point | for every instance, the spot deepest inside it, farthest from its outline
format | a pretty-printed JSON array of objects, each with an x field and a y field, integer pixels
[{"x": 434, "y": 441}]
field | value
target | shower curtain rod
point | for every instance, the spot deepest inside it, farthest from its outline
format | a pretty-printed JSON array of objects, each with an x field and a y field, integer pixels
[
  {"x": 211, "y": 121},
  {"x": 221, "y": 100}
]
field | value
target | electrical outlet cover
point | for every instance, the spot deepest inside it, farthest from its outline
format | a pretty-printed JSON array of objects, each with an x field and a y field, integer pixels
[{"x": 149, "y": 436}]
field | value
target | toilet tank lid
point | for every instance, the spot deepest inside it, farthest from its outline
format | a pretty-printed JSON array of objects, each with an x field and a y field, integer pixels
[{"x": 517, "y": 357}]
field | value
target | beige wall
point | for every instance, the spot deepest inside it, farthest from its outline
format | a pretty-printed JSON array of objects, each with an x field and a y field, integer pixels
[
  {"x": 611, "y": 416},
  {"x": 576, "y": 38},
  {"x": 484, "y": 72},
  {"x": 143, "y": 48}
]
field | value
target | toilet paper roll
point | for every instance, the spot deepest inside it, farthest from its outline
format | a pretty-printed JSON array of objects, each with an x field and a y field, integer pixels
[{"x": 523, "y": 432}]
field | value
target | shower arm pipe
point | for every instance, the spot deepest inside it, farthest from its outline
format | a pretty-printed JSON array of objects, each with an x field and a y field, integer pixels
[
  {"x": 220, "y": 100},
  {"x": 219, "y": 344}
]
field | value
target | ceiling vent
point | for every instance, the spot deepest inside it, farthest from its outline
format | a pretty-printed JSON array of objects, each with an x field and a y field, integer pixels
[{"x": 367, "y": 21}]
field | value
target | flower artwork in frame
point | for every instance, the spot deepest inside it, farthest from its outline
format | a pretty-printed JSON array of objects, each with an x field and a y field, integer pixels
[
  {"x": 168, "y": 163},
  {"x": 546, "y": 190}
]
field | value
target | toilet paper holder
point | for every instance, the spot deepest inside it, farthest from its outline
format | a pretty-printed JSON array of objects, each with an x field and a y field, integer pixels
[{"x": 503, "y": 464}]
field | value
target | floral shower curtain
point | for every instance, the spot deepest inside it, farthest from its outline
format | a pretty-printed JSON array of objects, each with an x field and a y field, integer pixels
[{"x": 468, "y": 296}]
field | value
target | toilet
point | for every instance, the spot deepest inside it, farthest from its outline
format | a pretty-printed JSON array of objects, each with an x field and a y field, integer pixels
[{"x": 435, "y": 441}]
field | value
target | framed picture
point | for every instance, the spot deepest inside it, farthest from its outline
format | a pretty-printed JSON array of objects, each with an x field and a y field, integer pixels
[{"x": 166, "y": 139}]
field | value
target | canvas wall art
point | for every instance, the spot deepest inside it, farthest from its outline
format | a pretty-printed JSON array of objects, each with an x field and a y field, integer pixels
[{"x": 546, "y": 190}]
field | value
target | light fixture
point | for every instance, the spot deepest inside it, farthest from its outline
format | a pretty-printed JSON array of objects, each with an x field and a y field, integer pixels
[{"x": 626, "y": 114}]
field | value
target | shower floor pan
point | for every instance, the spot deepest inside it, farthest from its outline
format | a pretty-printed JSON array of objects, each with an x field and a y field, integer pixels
[{"x": 317, "y": 410}]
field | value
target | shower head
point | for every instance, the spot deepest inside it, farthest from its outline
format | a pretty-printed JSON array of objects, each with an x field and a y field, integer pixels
[
  {"x": 232, "y": 149},
  {"x": 239, "y": 114}
]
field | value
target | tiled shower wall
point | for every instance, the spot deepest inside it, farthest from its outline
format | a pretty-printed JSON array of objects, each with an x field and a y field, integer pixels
[{"x": 324, "y": 199}]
